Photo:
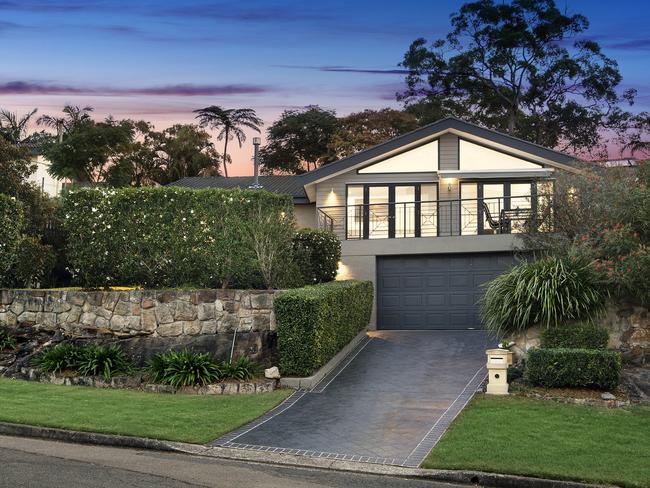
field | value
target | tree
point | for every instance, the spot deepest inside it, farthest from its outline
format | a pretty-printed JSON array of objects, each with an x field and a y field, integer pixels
[
  {"x": 88, "y": 149},
  {"x": 518, "y": 67},
  {"x": 230, "y": 123},
  {"x": 72, "y": 116},
  {"x": 299, "y": 138},
  {"x": 14, "y": 127},
  {"x": 361, "y": 130}
]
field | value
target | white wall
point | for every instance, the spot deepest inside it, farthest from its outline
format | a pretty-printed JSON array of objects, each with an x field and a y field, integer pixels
[{"x": 42, "y": 179}]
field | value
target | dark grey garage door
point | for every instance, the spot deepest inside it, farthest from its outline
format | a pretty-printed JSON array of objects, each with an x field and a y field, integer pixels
[{"x": 434, "y": 291}]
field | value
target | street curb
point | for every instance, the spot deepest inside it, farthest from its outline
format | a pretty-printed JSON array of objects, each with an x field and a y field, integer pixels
[{"x": 289, "y": 460}]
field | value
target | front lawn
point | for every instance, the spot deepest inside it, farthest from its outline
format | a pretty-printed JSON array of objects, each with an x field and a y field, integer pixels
[
  {"x": 186, "y": 418},
  {"x": 548, "y": 439}
]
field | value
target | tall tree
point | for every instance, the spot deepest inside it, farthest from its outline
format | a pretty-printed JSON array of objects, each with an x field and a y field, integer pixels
[
  {"x": 299, "y": 140},
  {"x": 230, "y": 122},
  {"x": 73, "y": 115},
  {"x": 13, "y": 127},
  {"x": 519, "y": 67},
  {"x": 361, "y": 130}
]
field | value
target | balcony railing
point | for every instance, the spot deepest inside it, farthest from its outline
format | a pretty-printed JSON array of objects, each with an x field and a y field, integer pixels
[{"x": 503, "y": 215}]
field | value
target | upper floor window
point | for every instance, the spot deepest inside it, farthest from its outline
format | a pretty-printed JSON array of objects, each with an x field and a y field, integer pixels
[
  {"x": 421, "y": 159},
  {"x": 474, "y": 157}
]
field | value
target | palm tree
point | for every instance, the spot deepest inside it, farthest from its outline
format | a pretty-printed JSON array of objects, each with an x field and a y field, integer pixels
[
  {"x": 14, "y": 128},
  {"x": 230, "y": 123},
  {"x": 73, "y": 116}
]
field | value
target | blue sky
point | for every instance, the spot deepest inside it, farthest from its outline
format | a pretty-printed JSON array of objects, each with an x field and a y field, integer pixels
[{"x": 159, "y": 60}]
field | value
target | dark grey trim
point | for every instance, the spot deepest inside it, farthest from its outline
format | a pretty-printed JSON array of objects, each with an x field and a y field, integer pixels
[{"x": 431, "y": 129}]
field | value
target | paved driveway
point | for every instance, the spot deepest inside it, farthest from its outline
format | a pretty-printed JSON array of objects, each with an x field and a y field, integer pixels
[{"x": 389, "y": 402}]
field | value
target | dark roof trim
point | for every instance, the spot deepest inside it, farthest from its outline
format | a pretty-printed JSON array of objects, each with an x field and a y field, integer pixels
[{"x": 432, "y": 129}]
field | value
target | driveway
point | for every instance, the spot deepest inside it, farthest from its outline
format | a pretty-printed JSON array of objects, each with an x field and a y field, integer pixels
[{"x": 389, "y": 402}]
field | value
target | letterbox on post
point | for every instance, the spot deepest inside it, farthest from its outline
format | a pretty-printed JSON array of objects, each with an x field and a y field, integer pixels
[{"x": 497, "y": 365}]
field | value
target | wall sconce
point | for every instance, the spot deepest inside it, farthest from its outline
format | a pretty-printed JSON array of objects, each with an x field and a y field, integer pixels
[{"x": 450, "y": 182}]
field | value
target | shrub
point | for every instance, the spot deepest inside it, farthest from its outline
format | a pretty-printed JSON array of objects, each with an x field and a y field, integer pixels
[
  {"x": 580, "y": 336},
  {"x": 34, "y": 263},
  {"x": 241, "y": 369},
  {"x": 573, "y": 368},
  {"x": 170, "y": 237},
  {"x": 317, "y": 254},
  {"x": 315, "y": 322},
  {"x": 106, "y": 361},
  {"x": 184, "y": 368},
  {"x": 59, "y": 358},
  {"x": 548, "y": 292},
  {"x": 7, "y": 340},
  {"x": 11, "y": 227}
]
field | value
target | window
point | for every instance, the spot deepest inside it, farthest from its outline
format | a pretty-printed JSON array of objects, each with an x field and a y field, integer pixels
[
  {"x": 474, "y": 157},
  {"x": 428, "y": 210},
  {"x": 378, "y": 212},
  {"x": 405, "y": 211},
  {"x": 355, "y": 212},
  {"x": 422, "y": 159},
  {"x": 469, "y": 209}
]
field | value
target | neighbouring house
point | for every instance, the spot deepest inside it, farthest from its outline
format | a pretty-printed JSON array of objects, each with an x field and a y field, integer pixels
[
  {"x": 427, "y": 216},
  {"x": 42, "y": 178}
]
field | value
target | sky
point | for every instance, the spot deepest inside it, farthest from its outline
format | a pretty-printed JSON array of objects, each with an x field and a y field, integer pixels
[{"x": 160, "y": 60}]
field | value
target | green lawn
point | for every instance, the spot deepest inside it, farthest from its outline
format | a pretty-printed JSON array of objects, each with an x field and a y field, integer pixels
[
  {"x": 186, "y": 418},
  {"x": 548, "y": 439}
]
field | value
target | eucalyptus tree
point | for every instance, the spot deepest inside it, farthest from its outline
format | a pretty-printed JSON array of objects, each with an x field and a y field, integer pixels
[{"x": 230, "y": 124}]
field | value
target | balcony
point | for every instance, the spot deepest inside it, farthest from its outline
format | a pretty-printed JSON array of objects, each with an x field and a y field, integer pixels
[{"x": 399, "y": 220}]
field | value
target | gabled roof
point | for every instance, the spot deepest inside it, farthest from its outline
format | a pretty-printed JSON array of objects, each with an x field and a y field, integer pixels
[
  {"x": 289, "y": 185},
  {"x": 437, "y": 128}
]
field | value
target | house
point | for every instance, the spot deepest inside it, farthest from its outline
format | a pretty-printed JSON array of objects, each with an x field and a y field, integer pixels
[{"x": 427, "y": 216}]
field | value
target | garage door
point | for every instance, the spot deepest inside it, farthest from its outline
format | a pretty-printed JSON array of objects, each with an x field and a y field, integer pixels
[{"x": 434, "y": 291}]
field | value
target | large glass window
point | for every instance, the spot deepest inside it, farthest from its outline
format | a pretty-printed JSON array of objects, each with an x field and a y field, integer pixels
[
  {"x": 378, "y": 212},
  {"x": 469, "y": 210},
  {"x": 355, "y": 212},
  {"x": 429, "y": 210},
  {"x": 492, "y": 205},
  {"x": 405, "y": 211},
  {"x": 520, "y": 206}
]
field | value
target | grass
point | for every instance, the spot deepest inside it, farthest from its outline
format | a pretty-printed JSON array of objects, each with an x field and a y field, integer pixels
[
  {"x": 185, "y": 418},
  {"x": 548, "y": 439}
]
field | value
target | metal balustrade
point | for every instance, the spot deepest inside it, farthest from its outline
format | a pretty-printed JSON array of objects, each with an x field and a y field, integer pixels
[{"x": 398, "y": 220}]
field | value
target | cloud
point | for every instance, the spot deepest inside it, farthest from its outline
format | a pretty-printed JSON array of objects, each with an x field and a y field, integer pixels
[
  {"x": 250, "y": 13},
  {"x": 27, "y": 5},
  {"x": 631, "y": 44},
  {"x": 348, "y": 69},
  {"x": 183, "y": 90}
]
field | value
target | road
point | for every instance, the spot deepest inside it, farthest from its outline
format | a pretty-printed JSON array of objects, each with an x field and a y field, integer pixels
[{"x": 35, "y": 463}]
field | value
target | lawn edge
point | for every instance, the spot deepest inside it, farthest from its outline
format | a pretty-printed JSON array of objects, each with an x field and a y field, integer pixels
[{"x": 454, "y": 476}]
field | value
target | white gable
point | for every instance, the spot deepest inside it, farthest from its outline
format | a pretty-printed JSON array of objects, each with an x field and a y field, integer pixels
[
  {"x": 422, "y": 159},
  {"x": 474, "y": 157}
]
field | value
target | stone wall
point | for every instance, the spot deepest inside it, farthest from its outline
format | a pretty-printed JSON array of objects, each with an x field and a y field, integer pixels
[
  {"x": 147, "y": 322},
  {"x": 629, "y": 333}
]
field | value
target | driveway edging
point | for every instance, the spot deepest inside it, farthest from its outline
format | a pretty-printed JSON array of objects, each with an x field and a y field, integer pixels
[{"x": 453, "y": 476}]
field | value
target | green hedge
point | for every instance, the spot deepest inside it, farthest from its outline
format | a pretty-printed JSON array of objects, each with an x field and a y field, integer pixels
[
  {"x": 573, "y": 368},
  {"x": 316, "y": 322},
  {"x": 317, "y": 254},
  {"x": 580, "y": 336},
  {"x": 11, "y": 227},
  {"x": 175, "y": 237}
]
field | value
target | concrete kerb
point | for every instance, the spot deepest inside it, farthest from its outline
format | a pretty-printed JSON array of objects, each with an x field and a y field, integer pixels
[
  {"x": 466, "y": 477},
  {"x": 309, "y": 382}
]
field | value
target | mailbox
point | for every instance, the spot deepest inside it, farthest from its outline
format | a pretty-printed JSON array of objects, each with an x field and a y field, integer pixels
[{"x": 497, "y": 365}]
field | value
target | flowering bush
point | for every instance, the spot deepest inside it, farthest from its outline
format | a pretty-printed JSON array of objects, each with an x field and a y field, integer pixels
[
  {"x": 171, "y": 237},
  {"x": 317, "y": 254},
  {"x": 11, "y": 225}
]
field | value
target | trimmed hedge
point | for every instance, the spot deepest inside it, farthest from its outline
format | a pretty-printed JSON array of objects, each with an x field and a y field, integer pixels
[
  {"x": 316, "y": 322},
  {"x": 176, "y": 237},
  {"x": 581, "y": 336},
  {"x": 573, "y": 368},
  {"x": 11, "y": 227},
  {"x": 317, "y": 254}
]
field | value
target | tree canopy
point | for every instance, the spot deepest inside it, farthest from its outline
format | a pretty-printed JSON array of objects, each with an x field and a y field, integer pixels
[
  {"x": 521, "y": 67},
  {"x": 299, "y": 140}
]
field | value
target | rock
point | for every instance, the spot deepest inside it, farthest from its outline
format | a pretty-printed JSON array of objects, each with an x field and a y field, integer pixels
[
  {"x": 184, "y": 311},
  {"x": 206, "y": 311},
  {"x": 607, "y": 396},
  {"x": 164, "y": 313},
  {"x": 272, "y": 373},
  {"x": 170, "y": 330}
]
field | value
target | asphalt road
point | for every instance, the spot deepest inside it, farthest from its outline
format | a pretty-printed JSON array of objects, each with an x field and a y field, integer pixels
[{"x": 35, "y": 463}]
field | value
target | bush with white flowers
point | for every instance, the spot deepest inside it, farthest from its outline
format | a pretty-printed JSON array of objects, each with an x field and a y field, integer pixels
[
  {"x": 11, "y": 227},
  {"x": 171, "y": 237}
]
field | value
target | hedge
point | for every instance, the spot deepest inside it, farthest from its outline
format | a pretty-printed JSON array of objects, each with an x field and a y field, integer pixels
[
  {"x": 573, "y": 368},
  {"x": 317, "y": 254},
  {"x": 580, "y": 336},
  {"x": 11, "y": 227},
  {"x": 316, "y": 322},
  {"x": 176, "y": 237}
]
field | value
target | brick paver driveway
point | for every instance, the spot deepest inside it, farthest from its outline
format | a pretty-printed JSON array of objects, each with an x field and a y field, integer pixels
[{"x": 389, "y": 401}]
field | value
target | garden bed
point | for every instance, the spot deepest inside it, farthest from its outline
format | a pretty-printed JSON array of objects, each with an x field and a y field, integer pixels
[{"x": 140, "y": 382}]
